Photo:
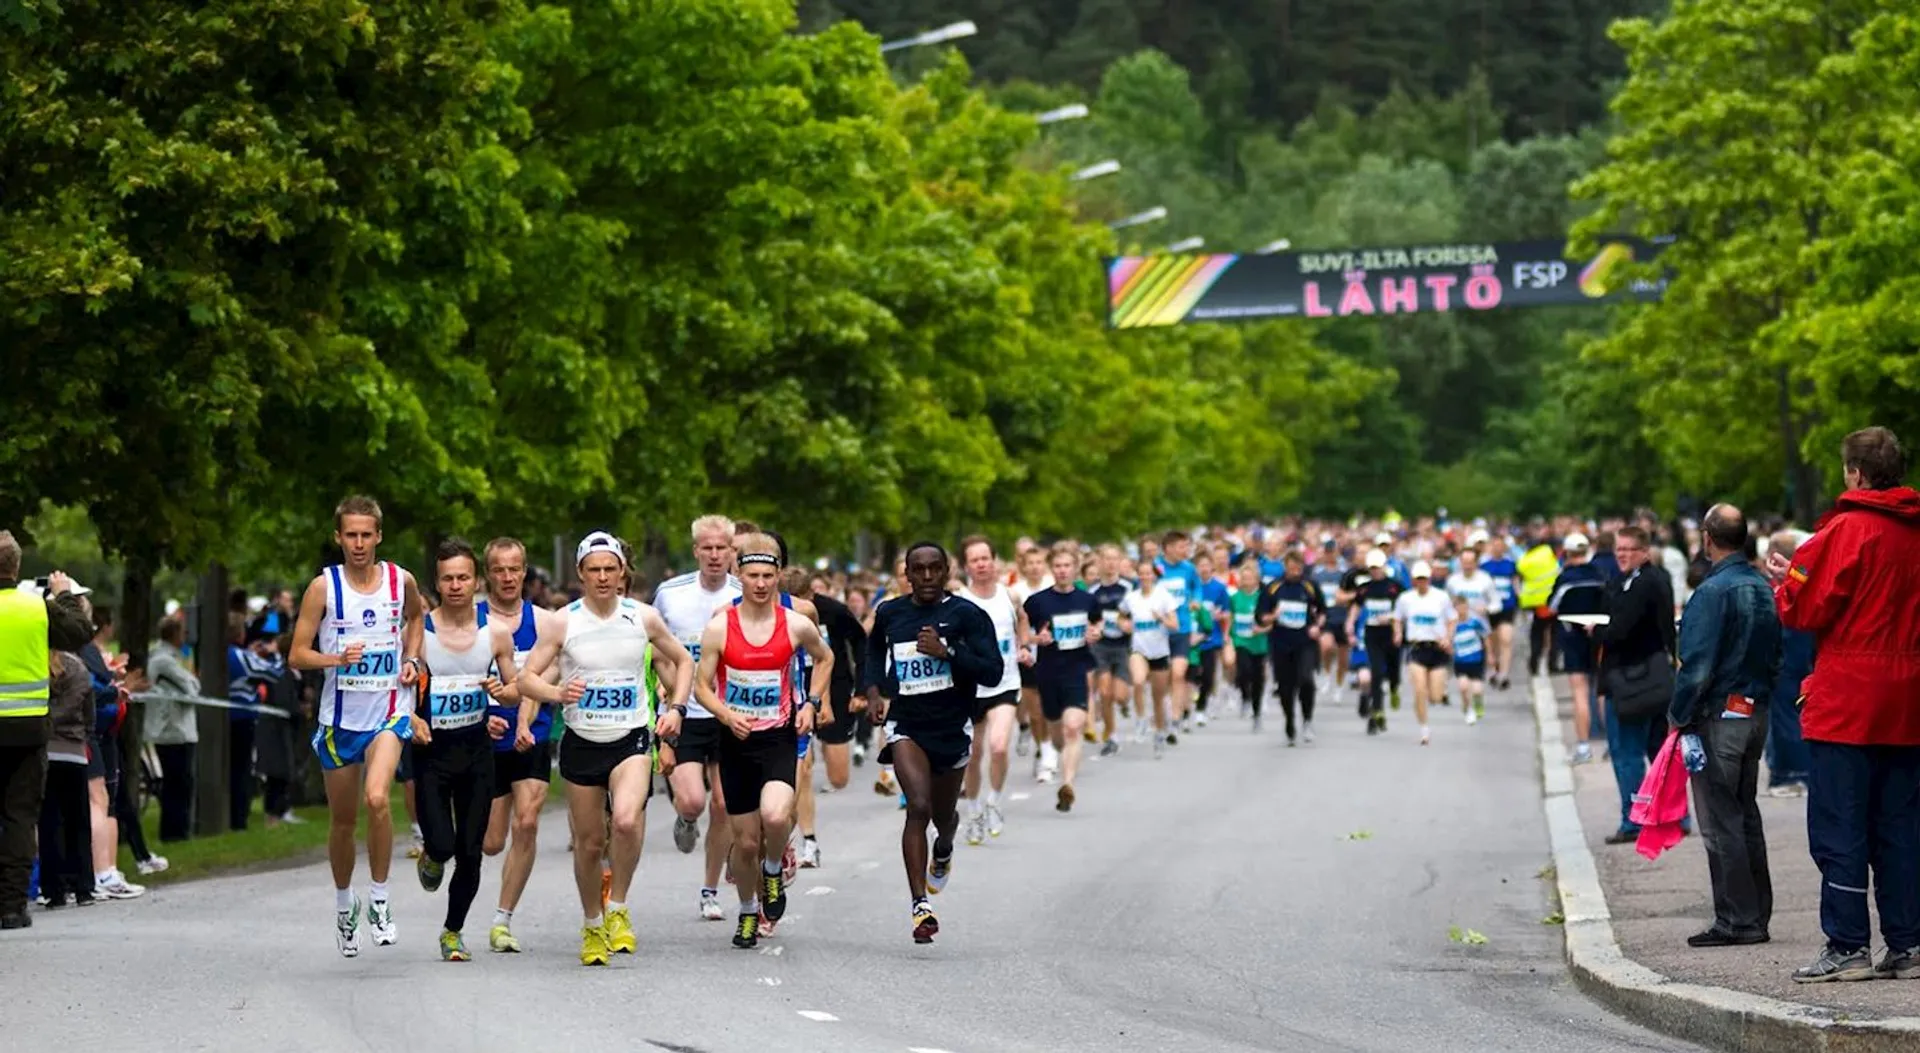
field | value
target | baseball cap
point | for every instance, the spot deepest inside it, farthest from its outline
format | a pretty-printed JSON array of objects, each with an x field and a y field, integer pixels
[
  {"x": 1422, "y": 570},
  {"x": 1376, "y": 558},
  {"x": 1575, "y": 540},
  {"x": 598, "y": 541},
  {"x": 1383, "y": 538},
  {"x": 1478, "y": 537}
]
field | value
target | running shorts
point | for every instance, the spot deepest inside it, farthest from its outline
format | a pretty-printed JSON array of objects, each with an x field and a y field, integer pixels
[
  {"x": 1337, "y": 628},
  {"x": 839, "y": 731},
  {"x": 947, "y": 747},
  {"x": 1428, "y": 654},
  {"x": 1059, "y": 695},
  {"x": 983, "y": 706},
  {"x": 1027, "y": 678},
  {"x": 337, "y": 747},
  {"x": 1110, "y": 656},
  {"x": 1179, "y": 645},
  {"x": 103, "y": 762},
  {"x": 585, "y": 763},
  {"x": 1474, "y": 670},
  {"x": 403, "y": 771},
  {"x": 1158, "y": 665},
  {"x": 1504, "y": 616},
  {"x": 1576, "y": 650},
  {"x": 511, "y": 766},
  {"x": 748, "y": 765},
  {"x": 699, "y": 741}
]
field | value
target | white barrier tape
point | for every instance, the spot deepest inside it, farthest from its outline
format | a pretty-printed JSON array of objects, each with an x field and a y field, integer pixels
[{"x": 200, "y": 700}]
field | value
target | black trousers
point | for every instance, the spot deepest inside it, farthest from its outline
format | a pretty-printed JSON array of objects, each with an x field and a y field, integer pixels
[
  {"x": 23, "y": 780},
  {"x": 240, "y": 783},
  {"x": 1727, "y": 798},
  {"x": 1205, "y": 673},
  {"x": 66, "y": 833},
  {"x": 1250, "y": 676},
  {"x": 1543, "y": 643},
  {"x": 1383, "y": 664},
  {"x": 1293, "y": 669},
  {"x": 176, "y": 791},
  {"x": 453, "y": 779}
]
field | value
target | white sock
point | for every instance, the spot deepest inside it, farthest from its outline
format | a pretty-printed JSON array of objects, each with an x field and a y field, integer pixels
[
  {"x": 503, "y": 917},
  {"x": 751, "y": 906},
  {"x": 705, "y": 892},
  {"x": 417, "y": 835},
  {"x": 993, "y": 798},
  {"x": 611, "y": 905},
  {"x": 769, "y": 867},
  {"x": 102, "y": 876},
  {"x": 377, "y": 891},
  {"x": 343, "y": 899},
  {"x": 596, "y": 921}
]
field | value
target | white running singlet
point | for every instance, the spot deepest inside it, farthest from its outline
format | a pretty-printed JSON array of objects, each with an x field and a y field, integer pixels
[
  {"x": 364, "y": 696},
  {"x": 999, "y": 608},
  {"x": 686, "y": 608},
  {"x": 615, "y": 658},
  {"x": 1425, "y": 616},
  {"x": 455, "y": 698}
]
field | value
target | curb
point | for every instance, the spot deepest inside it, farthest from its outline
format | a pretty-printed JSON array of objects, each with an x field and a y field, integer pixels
[{"x": 1710, "y": 1016}]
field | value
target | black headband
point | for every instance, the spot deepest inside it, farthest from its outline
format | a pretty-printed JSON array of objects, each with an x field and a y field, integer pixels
[{"x": 760, "y": 557}]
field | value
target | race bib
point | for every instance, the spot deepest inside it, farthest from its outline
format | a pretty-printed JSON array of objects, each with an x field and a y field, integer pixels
[
  {"x": 754, "y": 693},
  {"x": 920, "y": 674},
  {"x": 1466, "y": 645},
  {"x": 1176, "y": 587},
  {"x": 1070, "y": 631},
  {"x": 1243, "y": 624},
  {"x": 611, "y": 700},
  {"x": 1293, "y": 614},
  {"x": 691, "y": 641},
  {"x": 1425, "y": 621},
  {"x": 378, "y": 668},
  {"x": 1006, "y": 647},
  {"x": 456, "y": 702},
  {"x": 1379, "y": 610},
  {"x": 1110, "y": 623}
]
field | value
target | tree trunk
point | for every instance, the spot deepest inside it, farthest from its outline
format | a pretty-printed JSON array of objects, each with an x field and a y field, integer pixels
[
  {"x": 1802, "y": 484},
  {"x": 210, "y": 661}
]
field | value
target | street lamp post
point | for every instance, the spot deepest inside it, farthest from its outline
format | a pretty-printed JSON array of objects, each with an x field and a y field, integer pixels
[
  {"x": 1071, "y": 112},
  {"x": 1095, "y": 171},
  {"x": 942, "y": 35},
  {"x": 1152, "y": 215}
]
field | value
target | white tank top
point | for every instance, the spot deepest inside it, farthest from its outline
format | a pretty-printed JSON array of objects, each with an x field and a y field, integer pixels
[
  {"x": 999, "y": 607},
  {"x": 615, "y": 659},
  {"x": 686, "y": 608},
  {"x": 366, "y": 695},
  {"x": 454, "y": 697}
]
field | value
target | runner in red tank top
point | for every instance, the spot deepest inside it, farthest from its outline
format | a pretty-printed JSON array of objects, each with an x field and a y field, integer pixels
[{"x": 744, "y": 680}]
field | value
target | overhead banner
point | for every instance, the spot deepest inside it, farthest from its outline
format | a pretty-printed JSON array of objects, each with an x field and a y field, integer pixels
[{"x": 1425, "y": 279}]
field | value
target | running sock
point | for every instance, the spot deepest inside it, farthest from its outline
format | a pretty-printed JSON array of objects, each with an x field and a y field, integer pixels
[
  {"x": 611, "y": 905},
  {"x": 343, "y": 899},
  {"x": 770, "y": 867},
  {"x": 993, "y": 798},
  {"x": 377, "y": 891},
  {"x": 503, "y": 917},
  {"x": 107, "y": 875},
  {"x": 596, "y": 921},
  {"x": 751, "y": 906}
]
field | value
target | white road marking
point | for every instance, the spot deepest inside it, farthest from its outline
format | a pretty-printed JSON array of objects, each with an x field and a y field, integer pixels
[
  {"x": 1018, "y": 796},
  {"x": 924, "y": 1049},
  {"x": 868, "y": 865},
  {"x": 818, "y": 1016},
  {"x": 770, "y": 981},
  {"x": 774, "y": 951},
  {"x": 820, "y": 890}
]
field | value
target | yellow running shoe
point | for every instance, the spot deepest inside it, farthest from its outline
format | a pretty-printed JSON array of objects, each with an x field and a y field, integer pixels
[
  {"x": 620, "y": 931},
  {"x": 593, "y": 945},
  {"x": 500, "y": 940},
  {"x": 453, "y": 948}
]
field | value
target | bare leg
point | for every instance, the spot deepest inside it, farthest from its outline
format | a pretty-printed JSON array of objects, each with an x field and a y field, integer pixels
[
  {"x": 383, "y": 756},
  {"x": 586, "y": 806},
  {"x": 106, "y": 830},
  {"x": 803, "y": 813},
  {"x": 1066, "y": 739},
  {"x": 343, "y": 814},
  {"x": 720, "y": 828},
  {"x": 629, "y": 785},
  {"x": 529, "y": 795}
]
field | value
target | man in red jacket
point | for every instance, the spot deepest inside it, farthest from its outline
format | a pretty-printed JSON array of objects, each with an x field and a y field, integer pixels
[{"x": 1855, "y": 585}]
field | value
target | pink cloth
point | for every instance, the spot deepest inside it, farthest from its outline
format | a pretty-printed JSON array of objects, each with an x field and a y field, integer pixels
[{"x": 1661, "y": 803}]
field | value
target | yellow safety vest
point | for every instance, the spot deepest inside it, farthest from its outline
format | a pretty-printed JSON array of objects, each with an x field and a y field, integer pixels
[
  {"x": 1538, "y": 569},
  {"x": 23, "y": 654}
]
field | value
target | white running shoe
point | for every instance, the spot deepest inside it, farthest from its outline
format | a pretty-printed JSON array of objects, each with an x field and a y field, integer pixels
[
  {"x": 1472, "y": 717},
  {"x": 710, "y": 908},
  {"x": 974, "y": 827},
  {"x": 380, "y": 918},
  {"x": 809, "y": 853},
  {"x": 1142, "y": 730},
  {"x": 1426, "y": 736},
  {"x": 1023, "y": 745},
  {"x": 154, "y": 864},
  {"x": 1044, "y": 775},
  {"x": 1582, "y": 754},
  {"x": 686, "y": 834},
  {"x": 859, "y": 755},
  {"x": 1306, "y": 732},
  {"x": 995, "y": 822},
  {"x": 1200, "y": 719},
  {"x": 116, "y": 886},
  {"x": 1049, "y": 757},
  {"x": 346, "y": 929}
]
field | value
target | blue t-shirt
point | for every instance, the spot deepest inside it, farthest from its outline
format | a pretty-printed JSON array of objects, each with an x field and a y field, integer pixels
[
  {"x": 524, "y": 637},
  {"x": 1505, "y": 575},
  {"x": 1219, "y": 599},
  {"x": 1470, "y": 640},
  {"x": 1272, "y": 570},
  {"x": 1183, "y": 582}
]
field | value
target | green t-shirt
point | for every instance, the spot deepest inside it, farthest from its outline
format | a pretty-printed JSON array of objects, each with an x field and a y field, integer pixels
[{"x": 1245, "y": 636}]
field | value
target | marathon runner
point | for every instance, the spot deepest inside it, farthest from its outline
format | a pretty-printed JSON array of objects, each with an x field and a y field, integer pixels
[
  {"x": 1032, "y": 563},
  {"x": 928, "y": 656},
  {"x": 1062, "y": 617},
  {"x": 1371, "y": 621},
  {"x": 996, "y": 703},
  {"x": 521, "y": 773},
  {"x": 453, "y": 738},
  {"x": 1182, "y": 582},
  {"x": 360, "y": 623},
  {"x": 1502, "y": 611},
  {"x": 1475, "y": 587},
  {"x": 1112, "y": 649},
  {"x": 760, "y": 723},
  {"x": 1423, "y": 618},
  {"x": 608, "y": 657},
  {"x": 687, "y": 603},
  {"x": 1470, "y": 637},
  {"x": 1249, "y": 650},
  {"x": 1214, "y": 613},
  {"x": 1291, "y": 610},
  {"x": 1152, "y": 612},
  {"x": 1327, "y": 575}
]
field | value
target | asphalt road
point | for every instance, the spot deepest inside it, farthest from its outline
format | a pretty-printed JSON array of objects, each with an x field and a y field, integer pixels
[{"x": 1236, "y": 895}]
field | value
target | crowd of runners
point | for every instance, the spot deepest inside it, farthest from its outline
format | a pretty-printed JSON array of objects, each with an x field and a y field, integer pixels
[{"x": 726, "y": 684}]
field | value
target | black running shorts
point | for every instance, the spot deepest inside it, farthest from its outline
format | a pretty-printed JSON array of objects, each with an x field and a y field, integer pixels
[
  {"x": 511, "y": 766},
  {"x": 1430, "y": 655},
  {"x": 699, "y": 741},
  {"x": 585, "y": 763},
  {"x": 748, "y": 765},
  {"x": 1057, "y": 695},
  {"x": 839, "y": 731},
  {"x": 983, "y": 706},
  {"x": 947, "y": 747}
]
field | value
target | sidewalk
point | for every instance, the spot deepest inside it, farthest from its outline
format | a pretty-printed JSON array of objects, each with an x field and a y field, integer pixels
[{"x": 1733, "y": 997}]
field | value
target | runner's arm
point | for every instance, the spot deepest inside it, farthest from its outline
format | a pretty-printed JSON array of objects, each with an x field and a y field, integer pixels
[
  {"x": 806, "y": 636},
  {"x": 510, "y": 694},
  {"x": 974, "y": 652},
  {"x": 706, "y": 679},
  {"x": 531, "y": 681},
  {"x": 413, "y": 637},
  {"x": 306, "y": 631},
  {"x": 669, "y": 645}
]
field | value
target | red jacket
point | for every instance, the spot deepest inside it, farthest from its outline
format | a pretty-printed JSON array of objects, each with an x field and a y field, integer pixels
[{"x": 1855, "y": 585}]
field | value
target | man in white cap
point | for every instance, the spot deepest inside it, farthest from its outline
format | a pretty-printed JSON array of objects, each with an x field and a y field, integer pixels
[
  {"x": 1423, "y": 617},
  {"x": 1372, "y": 616},
  {"x": 1580, "y": 589},
  {"x": 1396, "y": 569}
]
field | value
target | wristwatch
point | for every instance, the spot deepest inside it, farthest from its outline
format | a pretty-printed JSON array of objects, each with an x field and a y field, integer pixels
[
  {"x": 680, "y": 709},
  {"x": 814, "y": 701}
]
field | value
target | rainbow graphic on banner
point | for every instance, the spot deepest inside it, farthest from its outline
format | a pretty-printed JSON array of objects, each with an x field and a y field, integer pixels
[{"x": 1160, "y": 290}]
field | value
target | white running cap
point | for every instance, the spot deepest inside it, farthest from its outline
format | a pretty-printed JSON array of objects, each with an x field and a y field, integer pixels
[
  {"x": 1376, "y": 558},
  {"x": 1383, "y": 538},
  {"x": 1422, "y": 570},
  {"x": 1478, "y": 537},
  {"x": 599, "y": 541},
  {"x": 1576, "y": 541}
]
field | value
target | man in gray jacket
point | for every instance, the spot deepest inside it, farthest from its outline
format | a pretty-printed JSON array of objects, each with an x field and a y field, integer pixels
[{"x": 172, "y": 728}]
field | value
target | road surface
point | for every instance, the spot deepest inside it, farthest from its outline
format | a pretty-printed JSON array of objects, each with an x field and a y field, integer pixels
[{"x": 1237, "y": 895}]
